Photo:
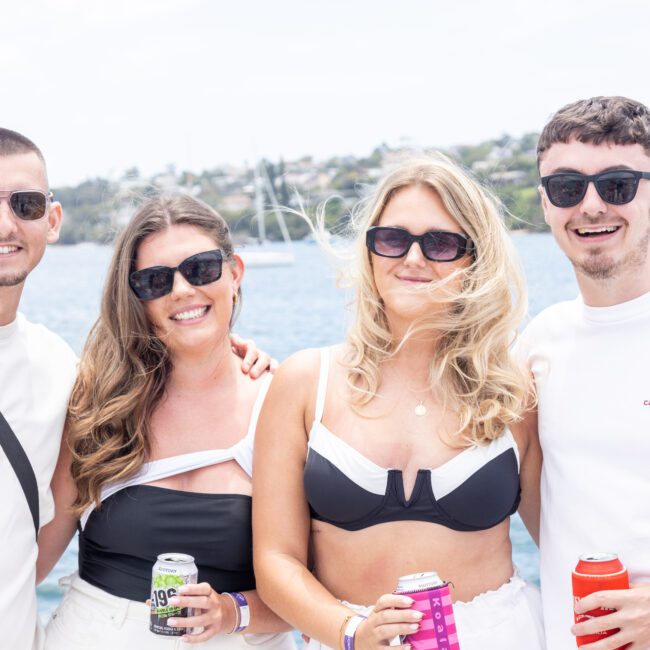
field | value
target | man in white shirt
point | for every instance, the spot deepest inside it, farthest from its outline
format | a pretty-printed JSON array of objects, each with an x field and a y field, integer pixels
[
  {"x": 590, "y": 360},
  {"x": 37, "y": 370}
]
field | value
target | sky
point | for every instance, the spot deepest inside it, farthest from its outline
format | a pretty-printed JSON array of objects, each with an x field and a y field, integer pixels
[{"x": 103, "y": 86}]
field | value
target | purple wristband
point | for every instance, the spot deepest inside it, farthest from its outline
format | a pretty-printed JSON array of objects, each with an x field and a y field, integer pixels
[
  {"x": 244, "y": 610},
  {"x": 351, "y": 630}
]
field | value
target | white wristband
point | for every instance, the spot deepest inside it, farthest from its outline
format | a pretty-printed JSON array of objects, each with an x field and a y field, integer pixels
[
  {"x": 350, "y": 630},
  {"x": 244, "y": 611}
]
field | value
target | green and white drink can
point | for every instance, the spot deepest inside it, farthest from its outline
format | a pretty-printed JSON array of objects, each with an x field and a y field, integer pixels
[{"x": 171, "y": 571}]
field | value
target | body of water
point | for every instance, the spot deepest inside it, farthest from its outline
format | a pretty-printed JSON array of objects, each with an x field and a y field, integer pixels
[{"x": 285, "y": 309}]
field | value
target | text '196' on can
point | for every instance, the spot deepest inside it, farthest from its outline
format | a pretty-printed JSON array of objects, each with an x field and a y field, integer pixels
[
  {"x": 171, "y": 571},
  {"x": 597, "y": 572},
  {"x": 432, "y": 597}
]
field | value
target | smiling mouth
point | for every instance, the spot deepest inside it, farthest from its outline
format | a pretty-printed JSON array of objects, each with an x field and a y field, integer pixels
[
  {"x": 190, "y": 314},
  {"x": 596, "y": 231},
  {"x": 6, "y": 250}
]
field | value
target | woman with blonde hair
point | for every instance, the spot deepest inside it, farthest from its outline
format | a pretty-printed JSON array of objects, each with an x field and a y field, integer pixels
[
  {"x": 392, "y": 453},
  {"x": 159, "y": 446}
]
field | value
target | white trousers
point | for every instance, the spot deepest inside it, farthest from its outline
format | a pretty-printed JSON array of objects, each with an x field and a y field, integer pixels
[
  {"x": 509, "y": 618},
  {"x": 88, "y": 618}
]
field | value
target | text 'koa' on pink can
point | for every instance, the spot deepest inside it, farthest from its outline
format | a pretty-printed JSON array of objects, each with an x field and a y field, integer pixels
[{"x": 432, "y": 598}]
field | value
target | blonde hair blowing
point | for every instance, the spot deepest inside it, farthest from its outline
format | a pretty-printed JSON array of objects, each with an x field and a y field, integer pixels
[
  {"x": 124, "y": 366},
  {"x": 472, "y": 368}
]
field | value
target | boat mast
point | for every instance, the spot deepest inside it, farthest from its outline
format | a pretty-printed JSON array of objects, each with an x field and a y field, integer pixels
[
  {"x": 267, "y": 185},
  {"x": 259, "y": 206}
]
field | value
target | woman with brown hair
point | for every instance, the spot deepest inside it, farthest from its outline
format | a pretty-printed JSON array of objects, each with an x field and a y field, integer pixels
[{"x": 159, "y": 445}]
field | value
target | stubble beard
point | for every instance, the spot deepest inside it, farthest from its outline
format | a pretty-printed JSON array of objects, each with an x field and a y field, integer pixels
[
  {"x": 12, "y": 279},
  {"x": 600, "y": 267}
]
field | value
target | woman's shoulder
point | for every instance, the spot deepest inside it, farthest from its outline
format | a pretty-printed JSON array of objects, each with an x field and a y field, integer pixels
[{"x": 302, "y": 368}]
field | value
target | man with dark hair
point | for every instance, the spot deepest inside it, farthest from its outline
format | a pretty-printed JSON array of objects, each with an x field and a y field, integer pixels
[
  {"x": 37, "y": 370},
  {"x": 589, "y": 358}
]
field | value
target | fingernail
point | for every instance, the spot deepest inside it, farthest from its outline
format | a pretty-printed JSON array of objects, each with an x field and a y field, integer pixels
[
  {"x": 182, "y": 590},
  {"x": 173, "y": 601},
  {"x": 418, "y": 616},
  {"x": 245, "y": 366},
  {"x": 407, "y": 601},
  {"x": 171, "y": 621},
  {"x": 414, "y": 626}
]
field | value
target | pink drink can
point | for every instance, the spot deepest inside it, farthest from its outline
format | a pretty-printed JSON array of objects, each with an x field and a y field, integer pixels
[{"x": 432, "y": 598}]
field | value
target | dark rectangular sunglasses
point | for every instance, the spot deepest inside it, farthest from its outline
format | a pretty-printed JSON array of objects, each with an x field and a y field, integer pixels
[
  {"x": 157, "y": 281},
  {"x": 28, "y": 205},
  {"x": 436, "y": 245},
  {"x": 566, "y": 189}
]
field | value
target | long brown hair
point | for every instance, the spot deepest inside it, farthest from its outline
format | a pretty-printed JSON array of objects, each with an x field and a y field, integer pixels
[{"x": 124, "y": 365}]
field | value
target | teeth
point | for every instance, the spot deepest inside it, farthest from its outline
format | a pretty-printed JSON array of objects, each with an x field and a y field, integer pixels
[
  {"x": 593, "y": 231},
  {"x": 192, "y": 313},
  {"x": 8, "y": 249}
]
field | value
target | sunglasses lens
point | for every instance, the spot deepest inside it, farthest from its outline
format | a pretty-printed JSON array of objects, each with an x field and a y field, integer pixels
[
  {"x": 566, "y": 190},
  {"x": 152, "y": 283},
  {"x": 201, "y": 269},
  {"x": 391, "y": 242},
  {"x": 28, "y": 205},
  {"x": 617, "y": 187},
  {"x": 443, "y": 246}
]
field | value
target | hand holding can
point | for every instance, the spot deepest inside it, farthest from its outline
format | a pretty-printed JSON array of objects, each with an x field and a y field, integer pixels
[
  {"x": 432, "y": 598},
  {"x": 597, "y": 572},
  {"x": 171, "y": 571}
]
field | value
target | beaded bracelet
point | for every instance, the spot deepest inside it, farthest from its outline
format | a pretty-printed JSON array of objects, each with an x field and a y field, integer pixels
[{"x": 342, "y": 630}]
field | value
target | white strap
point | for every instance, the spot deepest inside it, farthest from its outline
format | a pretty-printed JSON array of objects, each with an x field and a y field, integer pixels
[
  {"x": 257, "y": 407},
  {"x": 162, "y": 468},
  {"x": 322, "y": 383},
  {"x": 243, "y": 450},
  {"x": 156, "y": 470}
]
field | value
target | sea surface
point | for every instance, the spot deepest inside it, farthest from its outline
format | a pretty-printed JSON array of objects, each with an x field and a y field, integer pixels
[{"x": 285, "y": 309}]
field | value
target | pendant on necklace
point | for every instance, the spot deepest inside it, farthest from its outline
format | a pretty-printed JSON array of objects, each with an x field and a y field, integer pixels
[{"x": 420, "y": 409}]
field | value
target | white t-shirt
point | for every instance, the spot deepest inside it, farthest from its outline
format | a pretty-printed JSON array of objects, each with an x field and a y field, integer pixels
[
  {"x": 591, "y": 371},
  {"x": 37, "y": 371}
]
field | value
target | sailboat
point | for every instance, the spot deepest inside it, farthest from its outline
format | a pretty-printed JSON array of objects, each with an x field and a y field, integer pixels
[{"x": 265, "y": 253}]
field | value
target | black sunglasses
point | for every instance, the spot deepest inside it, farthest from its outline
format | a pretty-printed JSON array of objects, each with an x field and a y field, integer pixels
[
  {"x": 28, "y": 205},
  {"x": 157, "y": 281},
  {"x": 566, "y": 189},
  {"x": 436, "y": 245}
]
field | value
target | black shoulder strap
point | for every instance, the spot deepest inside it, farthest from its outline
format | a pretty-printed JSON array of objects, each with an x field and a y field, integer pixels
[{"x": 23, "y": 468}]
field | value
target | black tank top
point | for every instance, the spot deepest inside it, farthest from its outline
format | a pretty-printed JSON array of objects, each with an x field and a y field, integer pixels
[{"x": 120, "y": 542}]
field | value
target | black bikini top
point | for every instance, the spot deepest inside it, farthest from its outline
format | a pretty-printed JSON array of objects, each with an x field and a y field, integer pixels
[{"x": 475, "y": 490}]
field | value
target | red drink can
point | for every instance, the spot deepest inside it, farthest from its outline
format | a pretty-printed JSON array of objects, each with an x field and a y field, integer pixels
[
  {"x": 597, "y": 572},
  {"x": 431, "y": 597}
]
